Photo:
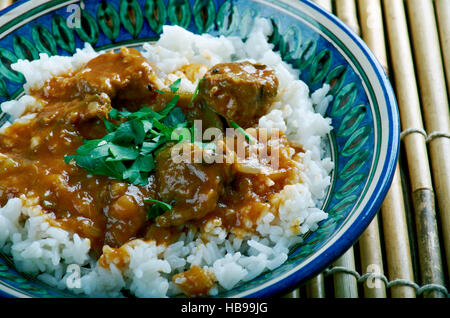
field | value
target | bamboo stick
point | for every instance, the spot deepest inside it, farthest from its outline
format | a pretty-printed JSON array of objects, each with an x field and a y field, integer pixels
[
  {"x": 316, "y": 287},
  {"x": 409, "y": 105},
  {"x": 442, "y": 8},
  {"x": 429, "y": 254},
  {"x": 5, "y": 3},
  {"x": 372, "y": 29},
  {"x": 443, "y": 15},
  {"x": 345, "y": 285},
  {"x": 408, "y": 97},
  {"x": 293, "y": 294},
  {"x": 346, "y": 11},
  {"x": 369, "y": 243},
  {"x": 437, "y": 119},
  {"x": 372, "y": 260},
  {"x": 326, "y": 4},
  {"x": 398, "y": 251}
]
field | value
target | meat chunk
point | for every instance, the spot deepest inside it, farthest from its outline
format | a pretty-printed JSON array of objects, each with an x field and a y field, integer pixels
[
  {"x": 126, "y": 77},
  {"x": 192, "y": 188},
  {"x": 242, "y": 92},
  {"x": 93, "y": 107},
  {"x": 125, "y": 218}
]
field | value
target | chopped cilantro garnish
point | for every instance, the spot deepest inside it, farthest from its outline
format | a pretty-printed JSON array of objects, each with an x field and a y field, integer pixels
[
  {"x": 195, "y": 94},
  {"x": 242, "y": 131},
  {"x": 164, "y": 205},
  {"x": 175, "y": 86},
  {"x": 158, "y": 208},
  {"x": 127, "y": 151},
  {"x": 170, "y": 105}
]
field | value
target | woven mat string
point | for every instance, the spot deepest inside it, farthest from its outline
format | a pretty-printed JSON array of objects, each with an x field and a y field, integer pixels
[
  {"x": 396, "y": 282},
  {"x": 408, "y": 131},
  {"x": 437, "y": 134},
  {"x": 428, "y": 137}
]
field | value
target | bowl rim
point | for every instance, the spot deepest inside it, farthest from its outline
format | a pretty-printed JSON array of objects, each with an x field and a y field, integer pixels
[{"x": 362, "y": 221}]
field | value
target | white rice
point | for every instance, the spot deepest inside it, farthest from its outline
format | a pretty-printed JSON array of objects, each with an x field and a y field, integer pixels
[{"x": 47, "y": 251}]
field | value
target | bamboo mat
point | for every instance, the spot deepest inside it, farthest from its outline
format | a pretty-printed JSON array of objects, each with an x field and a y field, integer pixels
[{"x": 405, "y": 252}]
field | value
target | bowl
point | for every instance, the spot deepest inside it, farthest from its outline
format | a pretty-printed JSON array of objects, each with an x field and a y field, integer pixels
[{"x": 364, "y": 143}]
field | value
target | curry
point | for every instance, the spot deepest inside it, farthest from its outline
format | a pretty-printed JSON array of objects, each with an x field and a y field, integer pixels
[{"x": 112, "y": 212}]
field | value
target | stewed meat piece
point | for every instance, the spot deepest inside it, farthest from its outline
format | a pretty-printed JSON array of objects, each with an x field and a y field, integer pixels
[
  {"x": 241, "y": 91},
  {"x": 192, "y": 186},
  {"x": 126, "y": 77}
]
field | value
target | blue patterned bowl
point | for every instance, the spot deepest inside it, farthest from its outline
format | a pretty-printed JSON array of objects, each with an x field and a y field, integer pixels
[{"x": 364, "y": 143}]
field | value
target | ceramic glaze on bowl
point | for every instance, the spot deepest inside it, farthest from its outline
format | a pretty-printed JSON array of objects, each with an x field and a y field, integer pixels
[{"x": 363, "y": 144}]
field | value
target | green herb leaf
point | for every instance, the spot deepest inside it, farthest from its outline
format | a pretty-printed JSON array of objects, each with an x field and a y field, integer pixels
[
  {"x": 166, "y": 131},
  {"x": 110, "y": 127},
  {"x": 175, "y": 86},
  {"x": 130, "y": 131},
  {"x": 175, "y": 118},
  {"x": 165, "y": 205},
  {"x": 123, "y": 153},
  {"x": 144, "y": 163},
  {"x": 158, "y": 208},
  {"x": 127, "y": 152},
  {"x": 110, "y": 169},
  {"x": 154, "y": 211},
  {"x": 195, "y": 93},
  {"x": 144, "y": 113},
  {"x": 100, "y": 151},
  {"x": 148, "y": 147},
  {"x": 170, "y": 105},
  {"x": 242, "y": 131},
  {"x": 114, "y": 114},
  {"x": 148, "y": 125},
  {"x": 135, "y": 177}
]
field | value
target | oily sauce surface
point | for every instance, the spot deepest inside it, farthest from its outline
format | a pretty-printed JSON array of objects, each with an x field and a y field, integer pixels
[{"x": 107, "y": 211}]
